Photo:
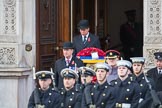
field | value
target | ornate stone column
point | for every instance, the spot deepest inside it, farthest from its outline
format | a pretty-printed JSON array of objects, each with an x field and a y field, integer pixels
[
  {"x": 152, "y": 30},
  {"x": 17, "y": 52}
]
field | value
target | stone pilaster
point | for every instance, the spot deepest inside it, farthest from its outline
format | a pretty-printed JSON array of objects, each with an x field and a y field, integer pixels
[
  {"x": 17, "y": 52},
  {"x": 17, "y": 29},
  {"x": 152, "y": 30}
]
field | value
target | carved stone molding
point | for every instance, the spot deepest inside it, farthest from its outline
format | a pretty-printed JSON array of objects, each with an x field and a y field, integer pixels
[
  {"x": 149, "y": 55},
  {"x": 154, "y": 17},
  {"x": 9, "y": 17},
  {"x": 8, "y": 39},
  {"x": 153, "y": 40},
  {"x": 7, "y": 56}
]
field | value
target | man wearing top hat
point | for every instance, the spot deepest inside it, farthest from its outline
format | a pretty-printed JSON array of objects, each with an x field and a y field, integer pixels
[
  {"x": 111, "y": 58},
  {"x": 68, "y": 61},
  {"x": 127, "y": 92},
  {"x": 44, "y": 96},
  {"x": 101, "y": 93},
  {"x": 85, "y": 39},
  {"x": 131, "y": 36},
  {"x": 156, "y": 72},
  {"x": 71, "y": 97}
]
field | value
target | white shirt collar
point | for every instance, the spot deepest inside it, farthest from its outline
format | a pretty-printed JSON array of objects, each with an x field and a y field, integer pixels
[
  {"x": 68, "y": 59},
  {"x": 86, "y": 36},
  {"x": 159, "y": 70}
]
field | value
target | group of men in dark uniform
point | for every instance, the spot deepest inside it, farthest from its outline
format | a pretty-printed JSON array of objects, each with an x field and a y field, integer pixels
[
  {"x": 71, "y": 84},
  {"x": 132, "y": 89}
]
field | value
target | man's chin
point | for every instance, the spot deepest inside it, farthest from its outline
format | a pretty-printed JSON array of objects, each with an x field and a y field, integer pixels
[
  {"x": 122, "y": 76},
  {"x": 137, "y": 73}
]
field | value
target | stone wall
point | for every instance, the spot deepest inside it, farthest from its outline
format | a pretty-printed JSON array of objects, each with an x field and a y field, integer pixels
[
  {"x": 152, "y": 30},
  {"x": 17, "y": 52}
]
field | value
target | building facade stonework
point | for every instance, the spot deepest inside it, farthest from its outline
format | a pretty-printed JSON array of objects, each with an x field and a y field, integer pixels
[
  {"x": 18, "y": 29},
  {"x": 152, "y": 30}
]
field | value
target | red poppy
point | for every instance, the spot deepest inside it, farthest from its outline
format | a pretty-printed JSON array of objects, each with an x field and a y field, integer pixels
[
  {"x": 72, "y": 62},
  {"x": 89, "y": 39}
]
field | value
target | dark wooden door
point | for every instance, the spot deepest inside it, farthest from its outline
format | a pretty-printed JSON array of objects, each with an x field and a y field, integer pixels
[
  {"x": 93, "y": 10},
  {"x": 52, "y": 29},
  {"x": 47, "y": 35},
  {"x": 96, "y": 11}
]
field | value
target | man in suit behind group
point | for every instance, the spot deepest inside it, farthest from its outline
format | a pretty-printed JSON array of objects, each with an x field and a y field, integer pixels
[
  {"x": 68, "y": 61},
  {"x": 85, "y": 39},
  {"x": 131, "y": 36},
  {"x": 156, "y": 72}
]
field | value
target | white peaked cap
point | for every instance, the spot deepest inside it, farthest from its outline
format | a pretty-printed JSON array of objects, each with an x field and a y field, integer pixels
[
  {"x": 137, "y": 59},
  {"x": 124, "y": 63}
]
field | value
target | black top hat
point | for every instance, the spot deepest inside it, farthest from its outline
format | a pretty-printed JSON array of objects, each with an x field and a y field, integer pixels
[
  {"x": 83, "y": 24},
  {"x": 68, "y": 45},
  {"x": 112, "y": 54},
  {"x": 44, "y": 74},
  {"x": 130, "y": 12},
  {"x": 158, "y": 55}
]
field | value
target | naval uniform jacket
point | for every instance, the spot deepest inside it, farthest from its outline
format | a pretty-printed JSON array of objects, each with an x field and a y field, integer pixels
[
  {"x": 92, "y": 41},
  {"x": 71, "y": 98},
  {"x": 156, "y": 77},
  {"x": 126, "y": 91},
  {"x": 145, "y": 91},
  {"x": 61, "y": 64},
  {"x": 101, "y": 95},
  {"x": 144, "y": 88},
  {"x": 50, "y": 98},
  {"x": 87, "y": 99}
]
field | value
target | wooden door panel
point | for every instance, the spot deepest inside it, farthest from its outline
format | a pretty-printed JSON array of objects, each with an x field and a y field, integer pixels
[{"x": 46, "y": 33}]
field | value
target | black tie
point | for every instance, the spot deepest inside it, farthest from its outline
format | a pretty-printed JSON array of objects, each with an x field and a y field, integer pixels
[{"x": 84, "y": 41}]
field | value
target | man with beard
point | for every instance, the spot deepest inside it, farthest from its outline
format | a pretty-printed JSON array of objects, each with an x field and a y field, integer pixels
[
  {"x": 138, "y": 70},
  {"x": 101, "y": 93},
  {"x": 127, "y": 91},
  {"x": 71, "y": 97},
  {"x": 44, "y": 96}
]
